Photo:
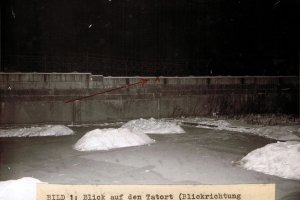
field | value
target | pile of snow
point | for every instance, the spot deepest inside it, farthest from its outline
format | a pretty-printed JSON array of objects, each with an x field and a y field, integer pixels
[
  {"x": 284, "y": 133},
  {"x": 280, "y": 159},
  {"x": 153, "y": 126},
  {"x": 21, "y": 189},
  {"x": 48, "y": 130},
  {"x": 133, "y": 133},
  {"x": 105, "y": 139}
]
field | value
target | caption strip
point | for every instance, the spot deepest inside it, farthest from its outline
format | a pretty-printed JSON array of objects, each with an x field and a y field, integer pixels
[{"x": 156, "y": 192}]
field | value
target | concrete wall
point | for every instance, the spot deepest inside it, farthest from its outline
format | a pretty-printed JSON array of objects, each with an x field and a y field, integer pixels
[{"x": 40, "y": 98}]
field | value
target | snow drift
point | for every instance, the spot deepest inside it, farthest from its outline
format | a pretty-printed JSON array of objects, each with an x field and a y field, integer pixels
[
  {"x": 48, "y": 130},
  {"x": 21, "y": 189},
  {"x": 153, "y": 126},
  {"x": 280, "y": 159},
  {"x": 133, "y": 133},
  {"x": 283, "y": 133},
  {"x": 105, "y": 139}
]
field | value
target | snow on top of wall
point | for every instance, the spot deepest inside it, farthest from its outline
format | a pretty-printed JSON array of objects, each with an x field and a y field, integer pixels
[
  {"x": 105, "y": 139},
  {"x": 21, "y": 189},
  {"x": 47, "y": 130},
  {"x": 280, "y": 159},
  {"x": 283, "y": 133},
  {"x": 153, "y": 126}
]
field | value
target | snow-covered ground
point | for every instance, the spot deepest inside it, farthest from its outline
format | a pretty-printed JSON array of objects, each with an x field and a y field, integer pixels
[
  {"x": 198, "y": 157},
  {"x": 153, "y": 126},
  {"x": 284, "y": 133},
  {"x": 111, "y": 138},
  {"x": 47, "y": 130},
  {"x": 280, "y": 159},
  {"x": 21, "y": 189},
  {"x": 97, "y": 124}
]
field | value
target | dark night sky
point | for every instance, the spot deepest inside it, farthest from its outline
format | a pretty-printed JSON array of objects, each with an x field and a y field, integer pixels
[{"x": 152, "y": 37}]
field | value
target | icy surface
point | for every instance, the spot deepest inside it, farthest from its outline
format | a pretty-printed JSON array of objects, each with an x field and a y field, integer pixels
[
  {"x": 200, "y": 156},
  {"x": 153, "y": 126},
  {"x": 280, "y": 159},
  {"x": 48, "y": 130},
  {"x": 105, "y": 139},
  {"x": 21, "y": 189},
  {"x": 284, "y": 133}
]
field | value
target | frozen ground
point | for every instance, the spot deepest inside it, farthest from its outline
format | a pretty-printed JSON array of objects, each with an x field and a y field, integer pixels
[
  {"x": 47, "y": 130},
  {"x": 200, "y": 156}
]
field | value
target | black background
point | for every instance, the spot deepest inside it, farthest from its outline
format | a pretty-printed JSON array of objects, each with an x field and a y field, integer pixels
[{"x": 151, "y": 37}]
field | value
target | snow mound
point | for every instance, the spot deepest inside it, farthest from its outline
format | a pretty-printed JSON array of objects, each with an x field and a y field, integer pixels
[
  {"x": 48, "y": 130},
  {"x": 280, "y": 159},
  {"x": 153, "y": 126},
  {"x": 105, "y": 139},
  {"x": 21, "y": 189},
  {"x": 284, "y": 133}
]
